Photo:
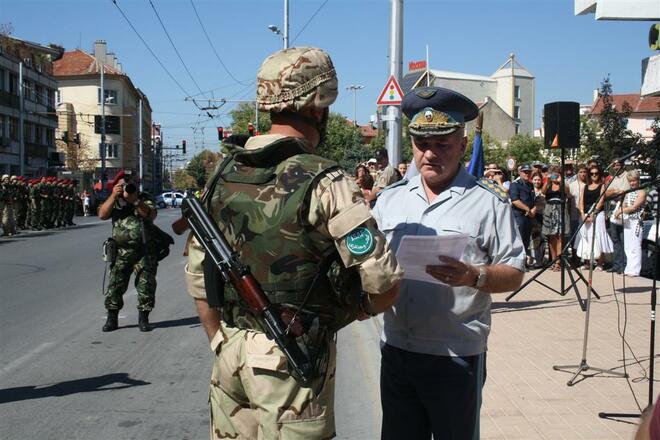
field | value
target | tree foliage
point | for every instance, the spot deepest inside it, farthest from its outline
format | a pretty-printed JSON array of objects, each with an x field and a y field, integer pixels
[
  {"x": 343, "y": 143},
  {"x": 244, "y": 114},
  {"x": 201, "y": 166}
]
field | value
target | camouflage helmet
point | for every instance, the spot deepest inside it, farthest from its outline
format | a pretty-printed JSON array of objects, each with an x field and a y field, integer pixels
[{"x": 295, "y": 78}]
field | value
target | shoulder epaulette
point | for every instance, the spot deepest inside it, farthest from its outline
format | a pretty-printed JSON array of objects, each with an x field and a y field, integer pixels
[
  {"x": 396, "y": 184},
  {"x": 493, "y": 187}
]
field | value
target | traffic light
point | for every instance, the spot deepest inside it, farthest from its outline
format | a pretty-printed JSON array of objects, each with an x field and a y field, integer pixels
[
  {"x": 220, "y": 133},
  {"x": 251, "y": 129},
  {"x": 183, "y": 144}
]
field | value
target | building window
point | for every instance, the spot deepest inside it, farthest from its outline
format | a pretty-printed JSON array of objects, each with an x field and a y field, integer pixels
[
  {"x": 3, "y": 87},
  {"x": 13, "y": 128},
  {"x": 41, "y": 98},
  {"x": 50, "y": 136},
  {"x": 112, "y": 124},
  {"x": 110, "y": 96},
  {"x": 112, "y": 151},
  {"x": 2, "y": 126},
  {"x": 516, "y": 129},
  {"x": 13, "y": 84},
  {"x": 516, "y": 112},
  {"x": 58, "y": 96},
  {"x": 516, "y": 92}
]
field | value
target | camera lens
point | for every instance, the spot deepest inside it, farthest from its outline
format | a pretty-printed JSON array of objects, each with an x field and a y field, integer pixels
[{"x": 130, "y": 188}]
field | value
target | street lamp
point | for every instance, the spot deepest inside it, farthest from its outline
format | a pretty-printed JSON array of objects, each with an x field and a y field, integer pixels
[
  {"x": 354, "y": 88},
  {"x": 274, "y": 29}
]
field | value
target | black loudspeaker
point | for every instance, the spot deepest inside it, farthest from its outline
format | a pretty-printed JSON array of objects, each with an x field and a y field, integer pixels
[{"x": 561, "y": 122}]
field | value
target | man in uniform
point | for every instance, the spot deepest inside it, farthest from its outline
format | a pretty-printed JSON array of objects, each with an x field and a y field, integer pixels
[
  {"x": 132, "y": 212},
  {"x": 8, "y": 222},
  {"x": 434, "y": 338},
  {"x": 522, "y": 196},
  {"x": 289, "y": 214}
]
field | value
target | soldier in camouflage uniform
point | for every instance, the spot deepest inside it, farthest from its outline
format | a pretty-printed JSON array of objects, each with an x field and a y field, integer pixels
[
  {"x": 8, "y": 221},
  {"x": 132, "y": 213},
  {"x": 21, "y": 203},
  {"x": 290, "y": 214}
]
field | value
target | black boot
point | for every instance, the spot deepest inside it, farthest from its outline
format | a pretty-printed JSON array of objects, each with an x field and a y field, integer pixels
[
  {"x": 111, "y": 324},
  {"x": 143, "y": 321}
]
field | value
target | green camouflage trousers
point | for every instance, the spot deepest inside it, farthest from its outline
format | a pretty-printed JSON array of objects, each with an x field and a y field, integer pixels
[
  {"x": 252, "y": 396},
  {"x": 145, "y": 267}
]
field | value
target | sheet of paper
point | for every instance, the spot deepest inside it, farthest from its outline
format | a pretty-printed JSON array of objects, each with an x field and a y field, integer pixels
[{"x": 418, "y": 251}]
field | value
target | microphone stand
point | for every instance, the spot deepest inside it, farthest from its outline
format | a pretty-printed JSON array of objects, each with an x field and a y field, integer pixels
[{"x": 584, "y": 366}]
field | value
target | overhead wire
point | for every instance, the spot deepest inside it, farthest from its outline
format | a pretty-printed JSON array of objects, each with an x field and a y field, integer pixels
[
  {"x": 308, "y": 21},
  {"x": 185, "y": 66},
  {"x": 149, "y": 49},
  {"x": 224, "y": 66}
]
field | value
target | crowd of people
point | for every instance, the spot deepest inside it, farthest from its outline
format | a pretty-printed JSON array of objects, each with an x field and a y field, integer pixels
[
  {"x": 602, "y": 213},
  {"x": 36, "y": 204}
]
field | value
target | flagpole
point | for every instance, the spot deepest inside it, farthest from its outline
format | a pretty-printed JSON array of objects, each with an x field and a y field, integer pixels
[{"x": 428, "y": 78}]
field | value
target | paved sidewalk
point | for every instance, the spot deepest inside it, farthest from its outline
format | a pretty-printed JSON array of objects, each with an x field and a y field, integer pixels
[{"x": 524, "y": 398}]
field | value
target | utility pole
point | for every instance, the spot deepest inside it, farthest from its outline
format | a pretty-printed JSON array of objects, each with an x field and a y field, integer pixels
[
  {"x": 286, "y": 24},
  {"x": 140, "y": 150},
  {"x": 354, "y": 88},
  {"x": 102, "y": 147},
  {"x": 21, "y": 120},
  {"x": 393, "y": 133}
]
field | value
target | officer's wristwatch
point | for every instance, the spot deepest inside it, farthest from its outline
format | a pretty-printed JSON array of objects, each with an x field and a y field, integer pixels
[{"x": 481, "y": 278}]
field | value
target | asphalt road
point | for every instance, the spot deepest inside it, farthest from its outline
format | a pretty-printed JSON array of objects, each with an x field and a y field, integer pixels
[{"x": 62, "y": 378}]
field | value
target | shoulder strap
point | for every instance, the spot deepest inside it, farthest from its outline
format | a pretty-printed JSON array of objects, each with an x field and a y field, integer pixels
[
  {"x": 493, "y": 187},
  {"x": 213, "y": 182}
]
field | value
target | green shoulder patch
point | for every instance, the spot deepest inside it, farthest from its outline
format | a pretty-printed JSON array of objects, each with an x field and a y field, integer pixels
[
  {"x": 493, "y": 187},
  {"x": 360, "y": 241}
]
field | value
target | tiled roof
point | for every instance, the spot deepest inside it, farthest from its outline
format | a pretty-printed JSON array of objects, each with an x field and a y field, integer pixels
[
  {"x": 639, "y": 104},
  {"x": 79, "y": 62}
]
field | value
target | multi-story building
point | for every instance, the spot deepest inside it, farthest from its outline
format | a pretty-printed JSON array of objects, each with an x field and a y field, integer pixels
[
  {"x": 509, "y": 91},
  {"x": 643, "y": 111},
  {"x": 79, "y": 105},
  {"x": 27, "y": 108}
]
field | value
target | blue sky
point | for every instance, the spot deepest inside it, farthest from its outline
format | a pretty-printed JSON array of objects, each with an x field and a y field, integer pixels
[{"x": 568, "y": 54}]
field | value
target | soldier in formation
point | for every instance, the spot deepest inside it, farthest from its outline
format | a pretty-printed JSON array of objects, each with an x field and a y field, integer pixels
[{"x": 39, "y": 203}]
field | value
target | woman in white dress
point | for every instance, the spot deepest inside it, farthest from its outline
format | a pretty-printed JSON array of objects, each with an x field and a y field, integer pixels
[
  {"x": 631, "y": 212},
  {"x": 602, "y": 242}
]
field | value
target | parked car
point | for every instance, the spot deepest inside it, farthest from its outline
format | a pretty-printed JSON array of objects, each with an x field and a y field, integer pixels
[
  {"x": 160, "y": 201},
  {"x": 172, "y": 198}
]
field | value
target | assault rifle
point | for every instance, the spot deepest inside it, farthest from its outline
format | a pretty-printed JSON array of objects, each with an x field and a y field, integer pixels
[{"x": 238, "y": 274}]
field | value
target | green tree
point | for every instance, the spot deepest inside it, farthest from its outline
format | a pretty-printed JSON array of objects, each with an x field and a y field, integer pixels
[
  {"x": 492, "y": 149},
  {"x": 343, "y": 143},
  {"x": 201, "y": 166},
  {"x": 406, "y": 144},
  {"x": 181, "y": 179},
  {"x": 244, "y": 114}
]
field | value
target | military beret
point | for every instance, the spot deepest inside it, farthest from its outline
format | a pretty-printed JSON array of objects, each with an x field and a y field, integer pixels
[{"x": 436, "y": 111}]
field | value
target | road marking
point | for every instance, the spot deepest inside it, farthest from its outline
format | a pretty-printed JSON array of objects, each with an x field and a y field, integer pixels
[{"x": 26, "y": 357}]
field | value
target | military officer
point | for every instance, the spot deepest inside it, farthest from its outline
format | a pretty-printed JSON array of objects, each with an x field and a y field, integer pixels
[
  {"x": 131, "y": 212},
  {"x": 434, "y": 338},
  {"x": 290, "y": 214}
]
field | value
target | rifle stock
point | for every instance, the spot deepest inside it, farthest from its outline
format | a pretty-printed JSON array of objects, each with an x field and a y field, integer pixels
[{"x": 235, "y": 272}]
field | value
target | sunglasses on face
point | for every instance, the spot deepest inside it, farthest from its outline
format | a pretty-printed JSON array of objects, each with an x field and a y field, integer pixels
[{"x": 595, "y": 174}]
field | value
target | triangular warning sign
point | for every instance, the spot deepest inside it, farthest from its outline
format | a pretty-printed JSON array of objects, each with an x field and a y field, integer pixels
[
  {"x": 555, "y": 142},
  {"x": 391, "y": 94}
]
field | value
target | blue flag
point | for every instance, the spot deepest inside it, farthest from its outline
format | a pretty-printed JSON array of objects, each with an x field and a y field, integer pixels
[{"x": 477, "y": 163}]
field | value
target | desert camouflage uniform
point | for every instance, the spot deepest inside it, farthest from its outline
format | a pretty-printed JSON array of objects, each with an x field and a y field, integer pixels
[
  {"x": 133, "y": 255},
  {"x": 286, "y": 211}
]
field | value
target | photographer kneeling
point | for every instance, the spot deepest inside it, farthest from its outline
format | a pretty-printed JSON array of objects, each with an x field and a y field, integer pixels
[{"x": 132, "y": 213}]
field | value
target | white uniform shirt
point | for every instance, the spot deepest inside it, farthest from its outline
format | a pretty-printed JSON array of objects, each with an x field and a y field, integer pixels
[{"x": 437, "y": 319}]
